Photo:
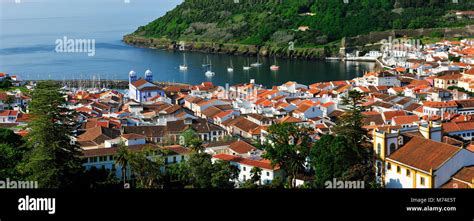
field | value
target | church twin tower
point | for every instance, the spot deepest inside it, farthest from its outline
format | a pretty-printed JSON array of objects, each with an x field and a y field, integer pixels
[{"x": 132, "y": 76}]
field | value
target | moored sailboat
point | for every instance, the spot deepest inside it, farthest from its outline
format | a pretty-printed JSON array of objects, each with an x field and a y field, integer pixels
[
  {"x": 184, "y": 66},
  {"x": 246, "y": 68},
  {"x": 206, "y": 62},
  {"x": 209, "y": 72},
  {"x": 231, "y": 67},
  {"x": 257, "y": 64},
  {"x": 275, "y": 66}
]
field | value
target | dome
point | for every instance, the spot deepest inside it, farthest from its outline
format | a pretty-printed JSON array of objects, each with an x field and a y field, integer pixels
[
  {"x": 148, "y": 72},
  {"x": 132, "y": 73}
]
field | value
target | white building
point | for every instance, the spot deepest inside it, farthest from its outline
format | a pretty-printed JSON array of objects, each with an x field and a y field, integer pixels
[
  {"x": 439, "y": 108},
  {"x": 142, "y": 90},
  {"x": 306, "y": 111},
  {"x": 104, "y": 157},
  {"x": 378, "y": 79},
  {"x": 8, "y": 116},
  {"x": 245, "y": 166}
]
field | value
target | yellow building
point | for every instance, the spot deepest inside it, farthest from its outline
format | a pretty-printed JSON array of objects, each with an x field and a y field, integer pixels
[
  {"x": 395, "y": 166},
  {"x": 447, "y": 80},
  {"x": 417, "y": 158}
]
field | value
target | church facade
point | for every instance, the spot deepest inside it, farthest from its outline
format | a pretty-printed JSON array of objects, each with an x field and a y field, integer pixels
[{"x": 142, "y": 90}]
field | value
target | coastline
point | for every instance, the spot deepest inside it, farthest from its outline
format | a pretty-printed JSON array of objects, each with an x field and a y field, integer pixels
[
  {"x": 228, "y": 48},
  {"x": 325, "y": 52}
]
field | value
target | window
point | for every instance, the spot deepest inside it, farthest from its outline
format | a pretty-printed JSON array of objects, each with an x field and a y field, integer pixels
[
  {"x": 244, "y": 168},
  {"x": 408, "y": 173},
  {"x": 379, "y": 148},
  {"x": 399, "y": 170},
  {"x": 174, "y": 159},
  {"x": 166, "y": 160},
  {"x": 93, "y": 159},
  {"x": 245, "y": 178},
  {"x": 268, "y": 173},
  {"x": 379, "y": 168},
  {"x": 389, "y": 166},
  {"x": 392, "y": 148},
  {"x": 422, "y": 181},
  {"x": 182, "y": 158}
]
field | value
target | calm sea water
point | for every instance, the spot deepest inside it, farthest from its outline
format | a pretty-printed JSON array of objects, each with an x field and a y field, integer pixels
[{"x": 29, "y": 30}]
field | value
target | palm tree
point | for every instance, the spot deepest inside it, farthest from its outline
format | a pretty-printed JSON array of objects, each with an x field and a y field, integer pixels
[
  {"x": 121, "y": 159},
  {"x": 146, "y": 166},
  {"x": 196, "y": 145},
  {"x": 255, "y": 174}
]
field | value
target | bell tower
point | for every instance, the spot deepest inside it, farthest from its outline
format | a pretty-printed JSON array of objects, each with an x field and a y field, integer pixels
[
  {"x": 149, "y": 76},
  {"x": 132, "y": 76}
]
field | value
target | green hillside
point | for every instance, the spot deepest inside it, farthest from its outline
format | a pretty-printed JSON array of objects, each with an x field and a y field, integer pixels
[{"x": 276, "y": 22}]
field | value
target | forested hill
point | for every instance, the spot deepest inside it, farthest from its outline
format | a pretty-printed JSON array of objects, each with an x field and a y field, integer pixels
[{"x": 276, "y": 22}]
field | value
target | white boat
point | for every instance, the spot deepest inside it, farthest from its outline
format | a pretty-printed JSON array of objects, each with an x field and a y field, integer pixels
[
  {"x": 210, "y": 73},
  {"x": 246, "y": 68},
  {"x": 184, "y": 66},
  {"x": 257, "y": 64},
  {"x": 275, "y": 67},
  {"x": 231, "y": 67},
  {"x": 206, "y": 62}
]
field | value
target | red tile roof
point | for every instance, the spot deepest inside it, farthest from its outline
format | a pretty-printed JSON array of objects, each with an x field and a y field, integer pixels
[
  {"x": 289, "y": 119},
  {"x": 405, "y": 119},
  {"x": 139, "y": 83},
  {"x": 388, "y": 115},
  {"x": 84, "y": 109},
  {"x": 223, "y": 114},
  {"x": 450, "y": 77},
  {"x": 454, "y": 184},
  {"x": 8, "y": 113},
  {"x": 436, "y": 104},
  {"x": 265, "y": 164},
  {"x": 133, "y": 136},
  {"x": 241, "y": 147},
  {"x": 23, "y": 117},
  {"x": 458, "y": 126},
  {"x": 470, "y": 71},
  {"x": 466, "y": 174},
  {"x": 302, "y": 108},
  {"x": 424, "y": 154},
  {"x": 22, "y": 133},
  {"x": 328, "y": 104},
  {"x": 177, "y": 149}
]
